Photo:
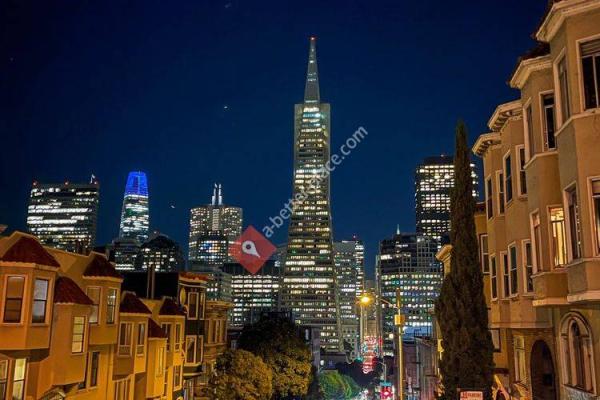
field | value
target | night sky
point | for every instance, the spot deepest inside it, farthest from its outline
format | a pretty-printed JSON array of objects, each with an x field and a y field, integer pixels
[{"x": 199, "y": 92}]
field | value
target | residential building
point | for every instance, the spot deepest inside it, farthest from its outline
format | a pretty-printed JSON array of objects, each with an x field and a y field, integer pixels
[
  {"x": 68, "y": 330},
  {"x": 213, "y": 228},
  {"x": 309, "y": 283},
  {"x": 64, "y": 215},
  {"x": 160, "y": 253},
  {"x": 407, "y": 268},
  {"x": 434, "y": 179}
]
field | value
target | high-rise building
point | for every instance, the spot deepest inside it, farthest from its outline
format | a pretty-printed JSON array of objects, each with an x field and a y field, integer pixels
[
  {"x": 253, "y": 294},
  {"x": 434, "y": 179},
  {"x": 348, "y": 268},
  {"x": 135, "y": 217},
  {"x": 64, "y": 215},
  {"x": 213, "y": 228},
  {"x": 309, "y": 274},
  {"x": 407, "y": 266},
  {"x": 161, "y": 254},
  {"x": 218, "y": 286}
]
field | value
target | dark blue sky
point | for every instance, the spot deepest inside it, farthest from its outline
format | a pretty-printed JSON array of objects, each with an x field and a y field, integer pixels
[{"x": 108, "y": 87}]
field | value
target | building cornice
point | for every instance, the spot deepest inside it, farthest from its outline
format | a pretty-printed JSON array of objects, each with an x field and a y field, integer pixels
[
  {"x": 526, "y": 68},
  {"x": 484, "y": 141},
  {"x": 559, "y": 12},
  {"x": 503, "y": 112}
]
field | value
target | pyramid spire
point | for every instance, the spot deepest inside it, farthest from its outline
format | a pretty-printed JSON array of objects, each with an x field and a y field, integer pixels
[{"x": 311, "y": 90}]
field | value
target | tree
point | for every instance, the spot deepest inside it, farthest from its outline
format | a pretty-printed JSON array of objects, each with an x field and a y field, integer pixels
[
  {"x": 280, "y": 344},
  {"x": 336, "y": 386},
  {"x": 240, "y": 375},
  {"x": 467, "y": 360}
]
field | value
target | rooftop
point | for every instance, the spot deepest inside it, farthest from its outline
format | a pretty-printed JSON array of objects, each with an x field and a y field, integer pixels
[{"x": 67, "y": 291}]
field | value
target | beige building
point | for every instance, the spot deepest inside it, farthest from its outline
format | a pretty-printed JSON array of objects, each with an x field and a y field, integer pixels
[
  {"x": 540, "y": 229},
  {"x": 67, "y": 330}
]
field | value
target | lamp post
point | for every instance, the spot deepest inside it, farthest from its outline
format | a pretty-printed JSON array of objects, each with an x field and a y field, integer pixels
[{"x": 366, "y": 299}]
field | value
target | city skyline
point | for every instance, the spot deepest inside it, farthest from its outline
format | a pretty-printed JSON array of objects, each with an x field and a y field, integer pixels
[{"x": 228, "y": 111}]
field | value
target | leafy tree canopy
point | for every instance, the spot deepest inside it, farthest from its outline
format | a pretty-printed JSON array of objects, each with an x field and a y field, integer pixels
[{"x": 240, "y": 375}]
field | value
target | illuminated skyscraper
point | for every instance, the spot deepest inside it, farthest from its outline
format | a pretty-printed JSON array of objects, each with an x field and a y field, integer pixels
[
  {"x": 160, "y": 254},
  {"x": 309, "y": 274},
  {"x": 135, "y": 217},
  {"x": 434, "y": 179},
  {"x": 213, "y": 228},
  {"x": 64, "y": 215},
  {"x": 407, "y": 264}
]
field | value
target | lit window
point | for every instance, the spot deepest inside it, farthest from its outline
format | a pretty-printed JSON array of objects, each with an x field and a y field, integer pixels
[
  {"x": 78, "y": 334},
  {"x": 559, "y": 241},
  {"x": 18, "y": 383},
  {"x": 40, "y": 300},
  {"x": 590, "y": 63},
  {"x": 111, "y": 306},
  {"x": 13, "y": 301}
]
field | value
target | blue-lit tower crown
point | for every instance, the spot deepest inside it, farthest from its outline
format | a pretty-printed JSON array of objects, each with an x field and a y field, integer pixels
[{"x": 135, "y": 218}]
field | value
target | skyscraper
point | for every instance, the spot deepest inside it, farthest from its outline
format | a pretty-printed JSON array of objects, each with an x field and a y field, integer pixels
[
  {"x": 135, "y": 217},
  {"x": 213, "y": 228},
  {"x": 309, "y": 273},
  {"x": 161, "y": 254},
  {"x": 64, "y": 215},
  {"x": 407, "y": 264},
  {"x": 434, "y": 179},
  {"x": 348, "y": 262}
]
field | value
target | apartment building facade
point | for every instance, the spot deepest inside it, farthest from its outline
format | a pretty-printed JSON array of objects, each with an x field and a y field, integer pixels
[{"x": 68, "y": 330}]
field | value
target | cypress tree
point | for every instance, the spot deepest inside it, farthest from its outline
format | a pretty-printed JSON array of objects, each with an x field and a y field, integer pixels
[{"x": 461, "y": 310}]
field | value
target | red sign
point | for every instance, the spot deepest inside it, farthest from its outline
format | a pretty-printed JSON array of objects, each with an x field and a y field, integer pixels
[
  {"x": 386, "y": 392},
  {"x": 471, "y": 395},
  {"x": 251, "y": 250}
]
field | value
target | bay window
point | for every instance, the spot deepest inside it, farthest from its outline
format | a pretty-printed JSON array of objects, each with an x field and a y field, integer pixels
[{"x": 590, "y": 63}]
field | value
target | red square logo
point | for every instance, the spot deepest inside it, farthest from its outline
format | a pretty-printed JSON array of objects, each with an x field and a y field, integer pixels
[{"x": 251, "y": 250}]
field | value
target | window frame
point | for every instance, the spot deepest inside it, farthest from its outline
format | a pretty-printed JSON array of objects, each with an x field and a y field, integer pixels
[
  {"x": 167, "y": 328},
  {"x": 529, "y": 142},
  {"x": 93, "y": 383},
  {"x": 493, "y": 277},
  {"x": 567, "y": 347},
  {"x": 111, "y": 309},
  {"x": 179, "y": 338},
  {"x": 527, "y": 266},
  {"x": 522, "y": 174},
  {"x": 513, "y": 270},
  {"x": 563, "y": 116},
  {"x": 581, "y": 81},
  {"x": 24, "y": 294},
  {"x": 508, "y": 179},
  {"x": 505, "y": 274},
  {"x": 489, "y": 196},
  {"x": 578, "y": 243},
  {"x": 128, "y": 335},
  {"x": 83, "y": 334},
  {"x": 46, "y": 301},
  {"x": 501, "y": 196},
  {"x": 191, "y": 338},
  {"x": 520, "y": 358},
  {"x": 140, "y": 343},
  {"x": 95, "y": 306},
  {"x": 4, "y": 369},
  {"x": 594, "y": 214},
  {"x": 484, "y": 253},
  {"x": 536, "y": 240},
  {"x": 551, "y": 236},
  {"x": 196, "y": 314},
  {"x": 544, "y": 121},
  {"x": 22, "y": 379}
]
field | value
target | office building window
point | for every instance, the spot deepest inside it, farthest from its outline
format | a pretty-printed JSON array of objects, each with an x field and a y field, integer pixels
[
  {"x": 528, "y": 261},
  {"x": 514, "y": 281},
  {"x": 40, "y": 301},
  {"x": 549, "y": 122},
  {"x": 94, "y": 294},
  {"x": 3, "y": 378},
  {"x": 192, "y": 306},
  {"x": 505, "y": 275},
  {"x": 574, "y": 222},
  {"x": 484, "y": 257},
  {"x": 18, "y": 382},
  {"x": 563, "y": 83},
  {"x": 13, "y": 299},
  {"x": 559, "y": 237},
  {"x": 590, "y": 63},
  {"x": 125, "y": 333},
  {"x": 141, "y": 340},
  {"x": 493, "y": 277},
  {"x": 111, "y": 306},
  {"x": 522, "y": 175},
  {"x": 500, "y": 182},
  {"x": 508, "y": 179},
  {"x": 520, "y": 365},
  {"x": 77, "y": 341},
  {"x": 529, "y": 128},
  {"x": 489, "y": 197}
]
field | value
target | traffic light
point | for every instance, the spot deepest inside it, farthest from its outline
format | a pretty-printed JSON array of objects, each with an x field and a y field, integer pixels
[{"x": 386, "y": 393}]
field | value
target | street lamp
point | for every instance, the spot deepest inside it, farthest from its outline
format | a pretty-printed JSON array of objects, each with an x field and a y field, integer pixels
[{"x": 365, "y": 299}]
